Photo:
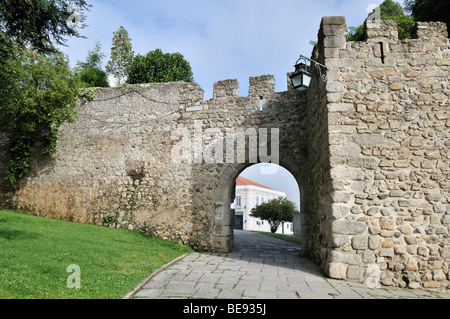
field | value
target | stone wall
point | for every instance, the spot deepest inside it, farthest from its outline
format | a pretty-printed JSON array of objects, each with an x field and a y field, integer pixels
[
  {"x": 369, "y": 149},
  {"x": 387, "y": 213},
  {"x": 117, "y": 159}
]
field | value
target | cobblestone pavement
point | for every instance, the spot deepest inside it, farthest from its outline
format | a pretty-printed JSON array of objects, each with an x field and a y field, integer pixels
[{"x": 260, "y": 267}]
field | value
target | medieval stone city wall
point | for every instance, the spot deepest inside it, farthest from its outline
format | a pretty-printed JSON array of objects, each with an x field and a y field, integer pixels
[
  {"x": 369, "y": 150},
  {"x": 118, "y": 159},
  {"x": 386, "y": 188}
]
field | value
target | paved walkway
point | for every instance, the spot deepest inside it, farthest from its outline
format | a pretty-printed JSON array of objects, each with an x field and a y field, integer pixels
[{"x": 260, "y": 267}]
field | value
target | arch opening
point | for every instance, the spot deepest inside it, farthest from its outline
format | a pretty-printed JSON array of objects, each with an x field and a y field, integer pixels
[
  {"x": 288, "y": 177},
  {"x": 253, "y": 188}
]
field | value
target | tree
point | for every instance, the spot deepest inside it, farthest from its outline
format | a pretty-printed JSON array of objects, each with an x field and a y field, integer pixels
[
  {"x": 38, "y": 24},
  {"x": 121, "y": 55},
  {"x": 389, "y": 10},
  {"x": 158, "y": 67},
  {"x": 275, "y": 211},
  {"x": 37, "y": 93},
  {"x": 429, "y": 10},
  {"x": 38, "y": 90},
  {"x": 90, "y": 71}
]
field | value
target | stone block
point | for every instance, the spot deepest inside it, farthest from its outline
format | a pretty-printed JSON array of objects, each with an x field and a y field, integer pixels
[
  {"x": 355, "y": 273},
  {"x": 333, "y": 20},
  {"x": 360, "y": 242},
  {"x": 330, "y": 29},
  {"x": 338, "y": 211},
  {"x": 440, "y": 208},
  {"x": 412, "y": 264},
  {"x": 374, "y": 242},
  {"x": 336, "y": 270},
  {"x": 221, "y": 244},
  {"x": 388, "y": 244},
  {"x": 371, "y": 163},
  {"x": 338, "y": 173},
  {"x": 368, "y": 256},
  {"x": 194, "y": 108},
  {"x": 334, "y": 42},
  {"x": 334, "y": 87},
  {"x": 387, "y": 224},
  {"x": 396, "y": 86},
  {"x": 445, "y": 219},
  {"x": 445, "y": 252},
  {"x": 387, "y": 252},
  {"x": 338, "y": 240},
  {"x": 400, "y": 249},
  {"x": 346, "y": 258},
  {"x": 405, "y": 229},
  {"x": 348, "y": 227},
  {"x": 340, "y": 107},
  {"x": 345, "y": 150}
]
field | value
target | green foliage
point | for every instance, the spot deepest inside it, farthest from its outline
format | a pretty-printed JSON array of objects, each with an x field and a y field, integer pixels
[
  {"x": 121, "y": 55},
  {"x": 429, "y": 10},
  {"x": 159, "y": 67},
  {"x": 355, "y": 33},
  {"x": 94, "y": 58},
  {"x": 37, "y": 94},
  {"x": 37, "y": 23},
  {"x": 87, "y": 94},
  {"x": 90, "y": 71},
  {"x": 93, "y": 78},
  {"x": 313, "y": 43},
  {"x": 389, "y": 10},
  {"x": 275, "y": 211},
  {"x": 109, "y": 219}
]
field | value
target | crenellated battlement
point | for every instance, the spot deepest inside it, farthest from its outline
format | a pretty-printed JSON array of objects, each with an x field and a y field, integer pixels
[
  {"x": 226, "y": 88},
  {"x": 427, "y": 30},
  {"x": 260, "y": 86}
]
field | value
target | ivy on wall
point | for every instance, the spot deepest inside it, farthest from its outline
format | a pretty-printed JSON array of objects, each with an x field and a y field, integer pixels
[{"x": 37, "y": 94}]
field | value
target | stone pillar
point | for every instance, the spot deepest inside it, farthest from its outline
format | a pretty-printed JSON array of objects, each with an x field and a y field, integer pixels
[
  {"x": 223, "y": 228},
  {"x": 343, "y": 178}
]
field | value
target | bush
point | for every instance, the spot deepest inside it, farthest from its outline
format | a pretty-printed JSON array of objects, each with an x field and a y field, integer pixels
[
  {"x": 159, "y": 67},
  {"x": 37, "y": 94}
]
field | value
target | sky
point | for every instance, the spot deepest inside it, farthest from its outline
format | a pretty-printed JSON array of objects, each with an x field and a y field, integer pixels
[
  {"x": 282, "y": 180},
  {"x": 226, "y": 39}
]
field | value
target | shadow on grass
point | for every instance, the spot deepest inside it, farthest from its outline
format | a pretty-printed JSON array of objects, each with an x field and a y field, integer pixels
[{"x": 10, "y": 234}]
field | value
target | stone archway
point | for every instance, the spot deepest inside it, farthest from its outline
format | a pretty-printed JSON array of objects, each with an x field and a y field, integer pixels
[{"x": 224, "y": 195}]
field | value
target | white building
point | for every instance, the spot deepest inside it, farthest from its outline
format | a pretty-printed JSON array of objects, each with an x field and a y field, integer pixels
[{"x": 248, "y": 195}]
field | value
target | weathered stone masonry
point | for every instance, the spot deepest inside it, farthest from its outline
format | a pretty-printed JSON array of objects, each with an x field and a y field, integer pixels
[
  {"x": 380, "y": 202},
  {"x": 369, "y": 150},
  {"x": 117, "y": 159}
]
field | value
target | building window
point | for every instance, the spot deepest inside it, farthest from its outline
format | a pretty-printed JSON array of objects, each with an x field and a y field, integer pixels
[
  {"x": 257, "y": 200},
  {"x": 238, "y": 201}
]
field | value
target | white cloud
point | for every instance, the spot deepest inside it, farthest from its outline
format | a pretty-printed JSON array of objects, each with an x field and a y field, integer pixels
[{"x": 221, "y": 39}]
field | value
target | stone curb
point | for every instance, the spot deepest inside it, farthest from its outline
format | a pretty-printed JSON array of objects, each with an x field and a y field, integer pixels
[{"x": 153, "y": 274}]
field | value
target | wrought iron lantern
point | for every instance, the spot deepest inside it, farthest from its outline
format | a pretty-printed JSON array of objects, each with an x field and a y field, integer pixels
[{"x": 301, "y": 78}]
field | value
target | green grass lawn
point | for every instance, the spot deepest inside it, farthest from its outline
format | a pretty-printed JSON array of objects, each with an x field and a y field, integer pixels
[
  {"x": 35, "y": 253},
  {"x": 291, "y": 238}
]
